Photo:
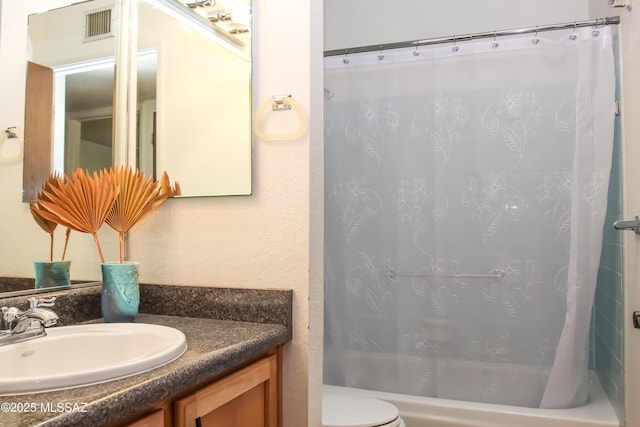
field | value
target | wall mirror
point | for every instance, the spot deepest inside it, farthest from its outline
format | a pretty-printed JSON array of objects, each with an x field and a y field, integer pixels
[
  {"x": 69, "y": 90},
  {"x": 191, "y": 77},
  {"x": 191, "y": 82},
  {"x": 198, "y": 128}
]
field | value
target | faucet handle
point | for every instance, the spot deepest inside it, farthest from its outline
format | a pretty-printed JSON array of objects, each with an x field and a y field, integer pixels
[
  {"x": 9, "y": 318},
  {"x": 42, "y": 302},
  {"x": 9, "y": 314}
]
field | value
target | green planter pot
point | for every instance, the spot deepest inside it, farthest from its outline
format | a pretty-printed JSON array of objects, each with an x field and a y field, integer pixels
[
  {"x": 120, "y": 292},
  {"x": 50, "y": 274}
]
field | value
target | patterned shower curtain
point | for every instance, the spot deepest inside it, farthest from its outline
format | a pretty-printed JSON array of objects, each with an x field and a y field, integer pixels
[{"x": 466, "y": 191}]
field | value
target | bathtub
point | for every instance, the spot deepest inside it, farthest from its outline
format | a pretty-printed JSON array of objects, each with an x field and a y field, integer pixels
[{"x": 436, "y": 412}]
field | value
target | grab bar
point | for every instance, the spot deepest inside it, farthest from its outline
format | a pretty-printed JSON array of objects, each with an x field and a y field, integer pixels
[{"x": 634, "y": 225}]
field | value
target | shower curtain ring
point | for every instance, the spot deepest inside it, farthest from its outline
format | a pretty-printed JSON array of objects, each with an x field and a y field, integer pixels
[
  {"x": 380, "y": 55},
  {"x": 416, "y": 51},
  {"x": 495, "y": 43},
  {"x": 596, "y": 32},
  {"x": 454, "y": 48},
  {"x": 574, "y": 36},
  {"x": 536, "y": 40},
  {"x": 345, "y": 60}
]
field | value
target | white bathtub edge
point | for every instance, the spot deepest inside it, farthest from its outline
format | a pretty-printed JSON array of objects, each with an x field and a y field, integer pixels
[{"x": 446, "y": 412}]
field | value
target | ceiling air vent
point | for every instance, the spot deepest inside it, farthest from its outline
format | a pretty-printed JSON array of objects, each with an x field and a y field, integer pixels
[{"x": 97, "y": 24}]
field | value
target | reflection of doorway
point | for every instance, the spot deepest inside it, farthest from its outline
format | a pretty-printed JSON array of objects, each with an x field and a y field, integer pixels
[
  {"x": 88, "y": 144},
  {"x": 146, "y": 111},
  {"x": 86, "y": 90},
  {"x": 82, "y": 129},
  {"x": 37, "y": 129}
]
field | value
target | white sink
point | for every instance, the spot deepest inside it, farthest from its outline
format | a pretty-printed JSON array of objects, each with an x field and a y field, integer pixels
[{"x": 79, "y": 355}]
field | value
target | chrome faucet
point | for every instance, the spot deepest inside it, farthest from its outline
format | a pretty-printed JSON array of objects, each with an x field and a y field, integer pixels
[{"x": 16, "y": 325}]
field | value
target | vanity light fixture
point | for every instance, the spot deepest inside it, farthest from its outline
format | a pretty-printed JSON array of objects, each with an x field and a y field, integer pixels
[
  {"x": 219, "y": 15},
  {"x": 192, "y": 4},
  {"x": 620, "y": 3},
  {"x": 202, "y": 26},
  {"x": 232, "y": 16},
  {"x": 237, "y": 28}
]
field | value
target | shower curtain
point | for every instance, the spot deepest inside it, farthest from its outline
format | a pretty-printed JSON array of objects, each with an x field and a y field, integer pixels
[{"x": 466, "y": 190}]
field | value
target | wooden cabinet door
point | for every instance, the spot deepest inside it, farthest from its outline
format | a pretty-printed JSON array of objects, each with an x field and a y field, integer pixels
[
  {"x": 245, "y": 410},
  {"x": 246, "y": 398},
  {"x": 155, "y": 419}
]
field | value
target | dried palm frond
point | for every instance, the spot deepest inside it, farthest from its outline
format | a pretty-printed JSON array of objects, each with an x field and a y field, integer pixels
[
  {"x": 48, "y": 226},
  {"x": 80, "y": 202},
  {"x": 166, "y": 188},
  {"x": 138, "y": 197},
  {"x": 66, "y": 243}
]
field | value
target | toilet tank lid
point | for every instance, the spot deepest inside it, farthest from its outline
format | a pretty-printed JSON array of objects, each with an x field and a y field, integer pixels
[{"x": 343, "y": 409}]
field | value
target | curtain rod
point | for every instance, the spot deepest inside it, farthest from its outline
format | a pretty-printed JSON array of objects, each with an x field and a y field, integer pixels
[{"x": 614, "y": 20}]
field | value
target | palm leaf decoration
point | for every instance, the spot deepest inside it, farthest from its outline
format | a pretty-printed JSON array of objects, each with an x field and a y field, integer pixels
[
  {"x": 80, "y": 202},
  {"x": 138, "y": 197},
  {"x": 166, "y": 188},
  {"x": 48, "y": 226}
]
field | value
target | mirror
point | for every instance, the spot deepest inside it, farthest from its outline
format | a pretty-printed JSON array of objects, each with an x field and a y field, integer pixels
[
  {"x": 69, "y": 90},
  {"x": 193, "y": 110},
  {"x": 65, "y": 71},
  {"x": 192, "y": 79},
  {"x": 201, "y": 117}
]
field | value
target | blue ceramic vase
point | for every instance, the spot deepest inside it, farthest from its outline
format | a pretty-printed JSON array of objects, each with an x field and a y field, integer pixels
[
  {"x": 120, "y": 292},
  {"x": 51, "y": 274}
]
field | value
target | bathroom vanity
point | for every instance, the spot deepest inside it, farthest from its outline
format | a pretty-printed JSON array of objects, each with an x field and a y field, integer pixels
[
  {"x": 247, "y": 397},
  {"x": 229, "y": 375},
  {"x": 243, "y": 392}
]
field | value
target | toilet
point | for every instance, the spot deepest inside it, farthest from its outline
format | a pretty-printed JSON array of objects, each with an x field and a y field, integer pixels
[{"x": 341, "y": 409}]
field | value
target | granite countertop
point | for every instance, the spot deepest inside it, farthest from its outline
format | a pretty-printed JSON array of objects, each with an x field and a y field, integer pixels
[{"x": 214, "y": 346}]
